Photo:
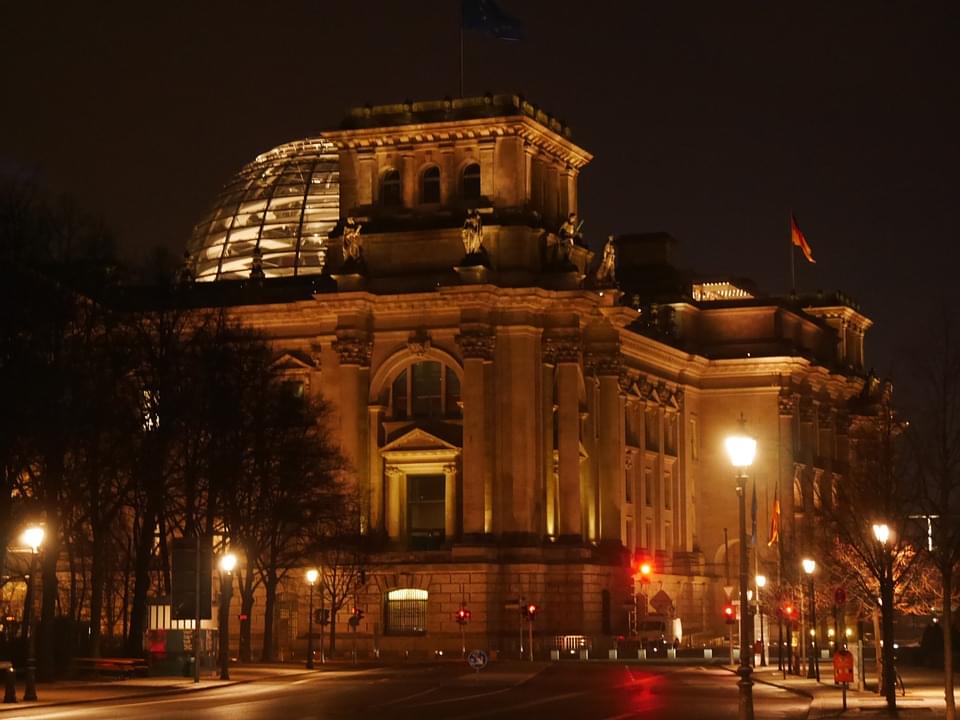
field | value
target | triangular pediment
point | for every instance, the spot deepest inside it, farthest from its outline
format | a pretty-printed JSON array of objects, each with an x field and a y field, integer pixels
[
  {"x": 418, "y": 439},
  {"x": 292, "y": 361}
]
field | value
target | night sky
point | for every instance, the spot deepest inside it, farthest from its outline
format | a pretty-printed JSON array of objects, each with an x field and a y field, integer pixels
[{"x": 708, "y": 120}]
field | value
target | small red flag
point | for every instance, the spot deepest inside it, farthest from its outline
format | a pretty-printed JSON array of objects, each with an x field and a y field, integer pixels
[
  {"x": 797, "y": 238},
  {"x": 775, "y": 523}
]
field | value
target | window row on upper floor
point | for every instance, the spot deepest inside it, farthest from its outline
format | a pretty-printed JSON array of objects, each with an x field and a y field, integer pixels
[{"x": 391, "y": 185}]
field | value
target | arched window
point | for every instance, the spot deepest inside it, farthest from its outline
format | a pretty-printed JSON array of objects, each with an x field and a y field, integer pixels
[
  {"x": 425, "y": 390},
  {"x": 390, "y": 189},
  {"x": 470, "y": 182},
  {"x": 430, "y": 186},
  {"x": 406, "y": 612}
]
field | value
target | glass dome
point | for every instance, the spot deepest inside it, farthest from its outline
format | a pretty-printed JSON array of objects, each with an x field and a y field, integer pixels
[{"x": 284, "y": 203}]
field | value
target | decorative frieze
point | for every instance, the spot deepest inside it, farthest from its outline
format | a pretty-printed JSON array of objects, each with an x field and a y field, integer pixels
[
  {"x": 603, "y": 362},
  {"x": 419, "y": 344},
  {"x": 477, "y": 344},
  {"x": 561, "y": 349},
  {"x": 353, "y": 350}
]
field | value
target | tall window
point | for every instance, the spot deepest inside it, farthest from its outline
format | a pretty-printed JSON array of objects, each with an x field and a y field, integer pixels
[
  {"x": 471, "y": 182},
  {"x": 425, "y": 510},
  {"x": 425, "y": 390},
  {"x": 406, "y": 612},
  {"x": 390, "y": 189},
  {"x": 430, "y": 186}
]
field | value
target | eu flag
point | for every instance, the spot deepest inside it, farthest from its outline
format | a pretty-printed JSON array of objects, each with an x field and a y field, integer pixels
[{"x": 486, "y": 16}]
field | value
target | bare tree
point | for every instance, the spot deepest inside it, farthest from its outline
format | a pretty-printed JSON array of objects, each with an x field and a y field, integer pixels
[{"x": 935, "y": 436}]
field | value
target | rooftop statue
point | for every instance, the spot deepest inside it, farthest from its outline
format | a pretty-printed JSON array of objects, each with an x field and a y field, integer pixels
[
  {"x": 472, "y": 233},
  {"x": 606, "y": 273},
  {"x": 351, "y": 240}
]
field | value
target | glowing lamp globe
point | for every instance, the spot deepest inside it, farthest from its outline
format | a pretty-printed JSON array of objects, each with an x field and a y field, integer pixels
[
  {"x": 761, "y": 581},
  {"x": 33, "y": 537},
  {"x": 809, "y": 566},
  {"x": 741, "y": 449},
  {"x": 881, "y": 531},
  {"x": 312, "y": 576},
  {"x": 228, "y": 562}
]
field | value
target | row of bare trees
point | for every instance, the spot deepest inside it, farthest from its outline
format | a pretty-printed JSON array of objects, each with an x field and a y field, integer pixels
[{"x": 128, "y": 418}]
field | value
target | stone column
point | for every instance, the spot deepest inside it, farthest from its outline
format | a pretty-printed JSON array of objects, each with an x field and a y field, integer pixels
[
  {"x": 606, "y": 366},
  {"x": 353, "y": 350},
  {"x": 476, "y": 348},
  {"x": 548, "y": 408},
  {"x": 366, "y": 178},
  {"x": 376, "y": 467},
  {"x": 395, "y": 478},
  {"x": 564, "y": 350},
  {"x": 450, "y": 505}
]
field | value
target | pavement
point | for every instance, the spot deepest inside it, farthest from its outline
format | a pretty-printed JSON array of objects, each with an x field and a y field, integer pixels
[
  {"x": 76, "y": 692},
  {"x": 923, "y": 698}
]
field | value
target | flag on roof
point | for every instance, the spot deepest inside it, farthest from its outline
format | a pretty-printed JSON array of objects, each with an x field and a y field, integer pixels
[
  {"x": 798, "y": 239},
  {"x": 486, "y": 16}
]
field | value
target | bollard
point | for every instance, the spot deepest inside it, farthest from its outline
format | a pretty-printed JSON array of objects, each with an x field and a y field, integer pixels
[
  {"x": 584, "y": 654},
  {"x": 671, "y": 654},
  {"x": 708, "y": 653},
  {"x": 9, "y": 684},
  {"x": 612, "y": 654},
  {"x": 642, "y": 654},
  {"x": 554, "y": 654}
]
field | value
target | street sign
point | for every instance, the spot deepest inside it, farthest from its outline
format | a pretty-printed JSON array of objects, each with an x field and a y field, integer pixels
[
  {"x": 843, "y": 666},
  {"x": 477, "y": 659}
]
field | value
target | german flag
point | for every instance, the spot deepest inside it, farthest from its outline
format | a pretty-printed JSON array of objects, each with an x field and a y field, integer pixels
[
  {"x": 775, "y": 522},
  {"x": 797, "y": 238}
]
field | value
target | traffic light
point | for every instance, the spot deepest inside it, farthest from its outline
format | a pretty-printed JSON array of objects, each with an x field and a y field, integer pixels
[
  {"x": 789, "y": 612},
  {"x": 646, "y": 571},
  {"x": 532, "y": 610},
  {"x": 321, "y": 616},
  {"x": 729, "y": 613},
  {"x": 463, "y": 616},
  {"x": 355, "y": 618}
]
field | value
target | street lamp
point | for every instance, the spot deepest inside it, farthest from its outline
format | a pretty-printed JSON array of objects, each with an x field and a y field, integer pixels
[
  {"x": 312, "y": 576},
  {"x": 742, "y": 449},
  {"x": 761, "y": 582},
  {"x": 227, "y": 564},
  {"x": 813, "y": 667},
  {"x": 33, "y": 538},
  {"x": 881, "y": 531}
]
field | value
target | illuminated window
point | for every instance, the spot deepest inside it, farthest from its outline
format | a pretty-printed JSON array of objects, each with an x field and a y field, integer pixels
[
  {"x": 471, "y": 182},
  {"x": 425, "y": 390},
  {"x": 406, "y": 612},
  {"x": 390, "y": 190},
  {"x": 430, "y": 186}
]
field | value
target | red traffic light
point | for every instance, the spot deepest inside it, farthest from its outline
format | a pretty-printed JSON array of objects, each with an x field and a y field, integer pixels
[
  {"x": 644, "y": 571},
  {"x": 788, "y": 611},
  {"x": 532, "y": 610},
  {"x": 463, "y": 616},
  {"x": 729, "y": 614}
]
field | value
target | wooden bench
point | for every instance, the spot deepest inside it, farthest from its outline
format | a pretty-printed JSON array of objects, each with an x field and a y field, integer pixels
[{"x": 115, "y": 667}]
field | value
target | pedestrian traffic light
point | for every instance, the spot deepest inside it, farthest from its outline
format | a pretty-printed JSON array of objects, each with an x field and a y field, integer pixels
[
  {"x": 463, "y": 616},
  {"x": 355, "y": 618},
  {"x": 729, "y": 613},
  {"x": 321, "y": 616},
  {"x": 532, "y": 610}
]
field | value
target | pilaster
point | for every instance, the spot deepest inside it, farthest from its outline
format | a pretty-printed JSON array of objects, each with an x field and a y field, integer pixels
[{"x": 564, "y": 352}]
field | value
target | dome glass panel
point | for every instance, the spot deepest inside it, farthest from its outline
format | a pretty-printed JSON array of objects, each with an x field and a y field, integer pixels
[{"x": 284, "y": 203}]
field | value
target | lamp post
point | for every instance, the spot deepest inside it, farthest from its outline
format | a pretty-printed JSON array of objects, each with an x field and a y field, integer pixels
[
  {"x": 312, "y": 576},
  {"x": 813, "y": 667},
  {"x": 227, "y": 563},
  {"x": 742, "y": 449},
  {"x": 761, "y": 581},
  {"x": 881, "y": 531},
  {"x": 33, "y": 538}
]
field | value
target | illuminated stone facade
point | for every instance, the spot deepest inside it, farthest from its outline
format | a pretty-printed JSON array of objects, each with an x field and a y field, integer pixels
[{"x": 518, "y": 429}]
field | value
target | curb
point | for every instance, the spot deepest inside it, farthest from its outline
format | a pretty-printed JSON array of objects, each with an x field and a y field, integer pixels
[
  {"x": 796, "y": 691},
  {"x": 19, "y": 705}
]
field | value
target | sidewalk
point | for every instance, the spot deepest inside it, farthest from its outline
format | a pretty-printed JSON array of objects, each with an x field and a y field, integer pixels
[
  {"x": 70, "y": 692},
  {"x": 923, "y": 699}
]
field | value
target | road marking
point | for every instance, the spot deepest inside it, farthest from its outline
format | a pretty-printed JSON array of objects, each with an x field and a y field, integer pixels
[
  {"x": 520, "y": 706},
  {"x": 407, "y": 697}
]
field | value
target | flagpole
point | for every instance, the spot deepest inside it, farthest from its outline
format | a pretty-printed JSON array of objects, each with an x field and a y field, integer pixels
[{"x": 461, "y": 49}]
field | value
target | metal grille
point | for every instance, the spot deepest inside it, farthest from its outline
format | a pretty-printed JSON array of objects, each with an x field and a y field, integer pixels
[{"x": 406, "y": 615}]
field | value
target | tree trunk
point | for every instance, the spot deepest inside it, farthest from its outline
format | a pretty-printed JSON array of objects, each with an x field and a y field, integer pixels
[
  {"x": 947, "y": 627},
  {"x": 889, "y": 670},
  {"x": 878, "y": 656},
  {"x": 333, "y": 631},
  {"x": 48, "y": 607},
  {"x": 246, "y": 610},
  {"x": 96, "y": 593},
  {"x": 270, "y": 589},
  {"x": 141, "y": 585}
]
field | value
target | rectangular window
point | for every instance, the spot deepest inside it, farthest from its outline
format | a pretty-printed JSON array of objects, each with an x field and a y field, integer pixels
[
  {"x": 627, "y": 486},
  {"x": 425, "y": 510},
  {"x": 667, "y": 490},
  {"x": 406, "y": 612},
  {"x": 648, "y": 487},
  {"x": 631, "y": 540},
  {"x": 426, "y": 390}
]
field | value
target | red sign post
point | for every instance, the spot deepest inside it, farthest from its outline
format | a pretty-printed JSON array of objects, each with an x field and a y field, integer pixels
[{"x": 843, "y": 671}]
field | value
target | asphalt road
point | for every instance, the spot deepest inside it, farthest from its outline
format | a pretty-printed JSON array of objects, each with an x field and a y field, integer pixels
[{"x": 565, "y": 690}]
